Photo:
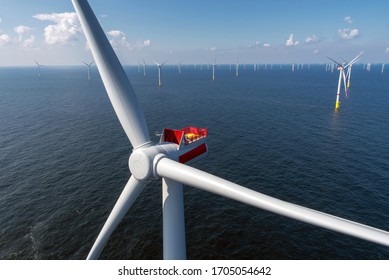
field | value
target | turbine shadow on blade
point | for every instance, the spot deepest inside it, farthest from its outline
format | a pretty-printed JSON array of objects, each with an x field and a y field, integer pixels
[{"x": 165, "y": 160}]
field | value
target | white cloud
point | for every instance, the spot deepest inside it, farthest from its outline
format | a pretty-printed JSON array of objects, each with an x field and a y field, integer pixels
[
  {"x": 387, "y": 50},
  {"x": 255, "y": 45},
  {"x": 118, "y": 39},
  {"x": 28, "y": 43},
  {"x": 4, "y": 39},
  {"x": 348, "y": 19},
  {"x": 348, "y": 34},
  {"x": 312, "y": 39},
  {"x": 143, "y": 44},
  {"x": 22, "y": 29},
  {"x": 66, "y": 28},
  {"x": 291, "y": 42},
  {"x": 266, "y": 45}
]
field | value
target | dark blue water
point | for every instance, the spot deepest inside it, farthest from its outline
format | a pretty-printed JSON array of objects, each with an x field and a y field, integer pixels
[{"x": 64, "y": 161}]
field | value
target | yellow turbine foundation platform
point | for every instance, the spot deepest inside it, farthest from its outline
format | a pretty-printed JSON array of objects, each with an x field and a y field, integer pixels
[{"x": 337, "y": 104}]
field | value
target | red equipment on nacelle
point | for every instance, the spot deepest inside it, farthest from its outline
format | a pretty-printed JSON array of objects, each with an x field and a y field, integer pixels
[{"x": 191, "y": 142}]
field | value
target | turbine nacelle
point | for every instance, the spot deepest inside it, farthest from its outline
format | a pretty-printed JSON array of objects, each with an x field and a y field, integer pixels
[{"x": 183, "y": 145}]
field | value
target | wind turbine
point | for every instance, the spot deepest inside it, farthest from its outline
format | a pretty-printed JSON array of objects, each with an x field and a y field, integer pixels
[
  {"x": 348, "y": 75},
  {"x": 88, "y": 65},
  {"x": 237, "y": 69},
  {"x": 159, "y": 72},
  {"x": 164, "y": 160},
  {"x": 213, "y": 70},
  {"x": 39, "y": 68},
  {"x": 179, "y": 67},
  {"x": 341, "y": 75},
  {"x": 341, "y": 68}
]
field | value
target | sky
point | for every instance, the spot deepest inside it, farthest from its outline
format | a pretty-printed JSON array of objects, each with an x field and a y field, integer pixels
[{"x": 198, "y": 31}]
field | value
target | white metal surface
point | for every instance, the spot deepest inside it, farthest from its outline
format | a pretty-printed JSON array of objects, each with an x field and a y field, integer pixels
[
  {"x": 123, "y": 204},
  {"x": 174, "y": 247},
  {"x": 119, "y": 89}
]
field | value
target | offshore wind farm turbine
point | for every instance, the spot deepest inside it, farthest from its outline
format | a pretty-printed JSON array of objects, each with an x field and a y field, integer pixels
[
  {"x": 341, "y": 75},
  {"x": 348, "y": 75},
  {"x": 341, "y": 68},
  {"x": 88, "y": 65},
  {"x": 213, "y": 70},
  {"x": 159, "y": 72},
  {"x": 179, "y": 67},
  {"x": 39, "y": 68},
  {"x": 237, "y": 69},
  {"x": 166, "y": 159}
]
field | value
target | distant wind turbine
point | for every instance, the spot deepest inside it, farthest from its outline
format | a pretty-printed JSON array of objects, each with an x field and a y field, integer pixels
[
  {"x": 348, "y": 75},
  {"x": 88, "y": 65},
  {"x": 39, "y": 68},
  {"x": 179, "y": 67},
  {"x": 159, "y": 72},
  {"x": 382, "y": 69},
  {"x": 144, "y": 68},
  {"x": 213, "y": 70},
  {"x": 341, "y": 68},
  {"x": 237, "y": 69}
]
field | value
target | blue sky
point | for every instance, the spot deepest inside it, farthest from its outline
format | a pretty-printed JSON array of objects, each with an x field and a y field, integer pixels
[{"x": 198, "y": 31}]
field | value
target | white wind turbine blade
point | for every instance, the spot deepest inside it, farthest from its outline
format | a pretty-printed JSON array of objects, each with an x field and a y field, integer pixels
[
  {"x": 115, "y": 80},
  {"x": 354, "y": 60},
  {"x": 339, "y": 64},
  {"x": 190, "y": 176},
  {"x": 123, "y": 204},
  {"x": 126, "y": 106}
]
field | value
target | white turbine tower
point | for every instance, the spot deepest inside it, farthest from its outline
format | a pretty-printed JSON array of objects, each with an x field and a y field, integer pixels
[
  {"x": 348, "y": 75},
  {"x": 179, "y": 67},
  {"x": 164, "y": 160},
  {"x": 159, "y": 72},
  {"x": 213, "y": 70},
  {"x": 237, "y": 69},
  {"x": 88, "y": 65},
  {"x": 39, "y": 68},
  {"x": 144, "y": 68},
  {"x": 341, "y": 68}
]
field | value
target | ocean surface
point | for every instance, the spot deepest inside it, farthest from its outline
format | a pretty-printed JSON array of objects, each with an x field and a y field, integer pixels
[{"x": 64, "y": 161}]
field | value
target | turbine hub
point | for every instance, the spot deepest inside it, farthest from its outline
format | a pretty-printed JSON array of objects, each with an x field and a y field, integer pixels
[{"x": 142, "y": 161}]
